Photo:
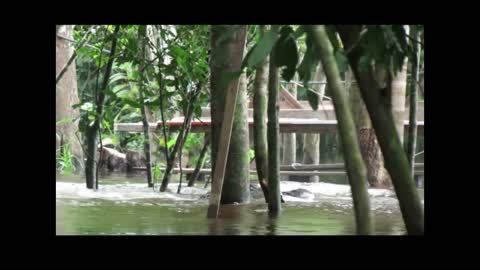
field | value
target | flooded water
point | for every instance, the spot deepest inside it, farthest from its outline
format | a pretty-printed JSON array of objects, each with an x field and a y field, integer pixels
[{"x": 126, "y": 206}]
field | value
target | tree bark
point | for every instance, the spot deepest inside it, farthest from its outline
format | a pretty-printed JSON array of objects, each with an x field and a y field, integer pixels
[
  {"x": 92, "y": 131},
  {"x": 377, "y": 176},
  {"x": 260, "y": 122},
  {"x": 146, "y": 133},
  {"x": 412, "y": 127},
  {"x": 274, "y": 202},
  {"x": 67, "y": 95},
  {"x": 383, "y": 123},
  {"x": 356, "y": 171},
  {"x": 225, "y": 38}
]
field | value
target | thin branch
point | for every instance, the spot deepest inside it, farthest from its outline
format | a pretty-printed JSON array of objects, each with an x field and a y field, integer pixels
[{"x": 74, "y": 55}]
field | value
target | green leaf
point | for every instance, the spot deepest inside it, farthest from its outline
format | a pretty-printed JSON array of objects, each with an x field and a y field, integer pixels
[
  {"x": 312, "y": 99},
  {"x": 332, "y": 36},
  {"x": 117, "y": 76},
  {"x": 64, "y": 121},
  {"x": 261, "y": 50},
  {"x": 132, "y": 103},
  {"x": 197, "y": 111},
  {"x": 228, "y": 76},
  {"x": 299, "y": 32},
  {"x": 342, "y": 61},
  {"x": 110, "y": 93},
  {"x": 155, "y": 102},
  {"x": 120, "y": 87}
]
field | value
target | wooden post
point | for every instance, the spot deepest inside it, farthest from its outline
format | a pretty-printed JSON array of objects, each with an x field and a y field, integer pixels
[{"x": 225, "y": 135}]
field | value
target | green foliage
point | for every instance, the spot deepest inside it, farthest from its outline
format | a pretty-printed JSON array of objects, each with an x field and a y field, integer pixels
[
  {"x": 251, "y": 154},
  {"x": 65, "y": 121},
  {"x": 261, "y": 49},
  {"x": 286, "y": 53},
  {"x": 386, "y": 45},
  {"x": 65, "y": 160}
]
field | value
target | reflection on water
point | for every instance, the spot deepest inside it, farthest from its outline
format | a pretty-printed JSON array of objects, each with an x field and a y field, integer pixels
[{"x": 127, "y": 207}]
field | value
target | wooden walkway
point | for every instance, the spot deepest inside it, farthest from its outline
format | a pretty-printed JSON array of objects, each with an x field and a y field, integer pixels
[
  {"x": 287, "y": 125},
  {"x": 300, "y": 169}
]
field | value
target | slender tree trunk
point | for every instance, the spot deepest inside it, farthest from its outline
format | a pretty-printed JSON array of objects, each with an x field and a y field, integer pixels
[
  {"x": 182, "y": 136},
  {"x": 290, "y": 139},
  {"x": 377, "y": 176},
  {"x": 146, "y": 133},
  {"x": 92, "y": 131},
  {"x": 412, "y": 127},
  {"x": 67, "y": 95},
  {"x": 382, "y": 120},
  {"x": 356, "y": 171},
  {"x": 274, "y": 202},
  {"x": 260, "y": 122},
  {"x": 225, "y": 38},
  {"x": 200, "y": 162}
]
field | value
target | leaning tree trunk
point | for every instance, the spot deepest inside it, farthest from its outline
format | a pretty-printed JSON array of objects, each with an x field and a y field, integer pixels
[
  {"x": 274, "y": 200},
  {"x": 382, "y": 120},
  {"x": 290, "y": 139},
  {"x": 412, "y": 127},
  {"x": 311, "y": 145},
  {"x": 92, "y": 131},
  {"x": 260, "y": 122},
  {"x": 377, "y": 176},
  {"x": 356, "y": 171},
  {"x": 200, "y": 162},
  {"x": 66, "y": 95},
  {"x": 236, "y": 180}
]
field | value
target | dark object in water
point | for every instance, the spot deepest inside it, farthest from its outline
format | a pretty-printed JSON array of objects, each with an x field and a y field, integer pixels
[{"x": 300, "y": 193}]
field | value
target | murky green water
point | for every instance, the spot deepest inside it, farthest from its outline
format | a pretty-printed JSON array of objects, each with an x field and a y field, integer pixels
[{"x": 124, "y": 206}]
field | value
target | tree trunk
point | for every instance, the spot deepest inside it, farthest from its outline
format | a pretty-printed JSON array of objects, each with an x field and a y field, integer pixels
[
  {"x": 377, "y": 176},
  {"x": 236, "y": 184},
  {"x": 92, "y": 131},
  {"x": 274, "y": 201},
  {"x": 290, "y": 139},
  {"x": 412, "y": 127},
  {"x": 260, "y": 122},
  {"x": 146, "y": 133},
  {"x": 200, "y": 162},
  {"x": 356, "y": 171},
  {"x": 311, "y": 146},
  {"x": 67, "y": 95},
  {"x": 382, "y": 120}
]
